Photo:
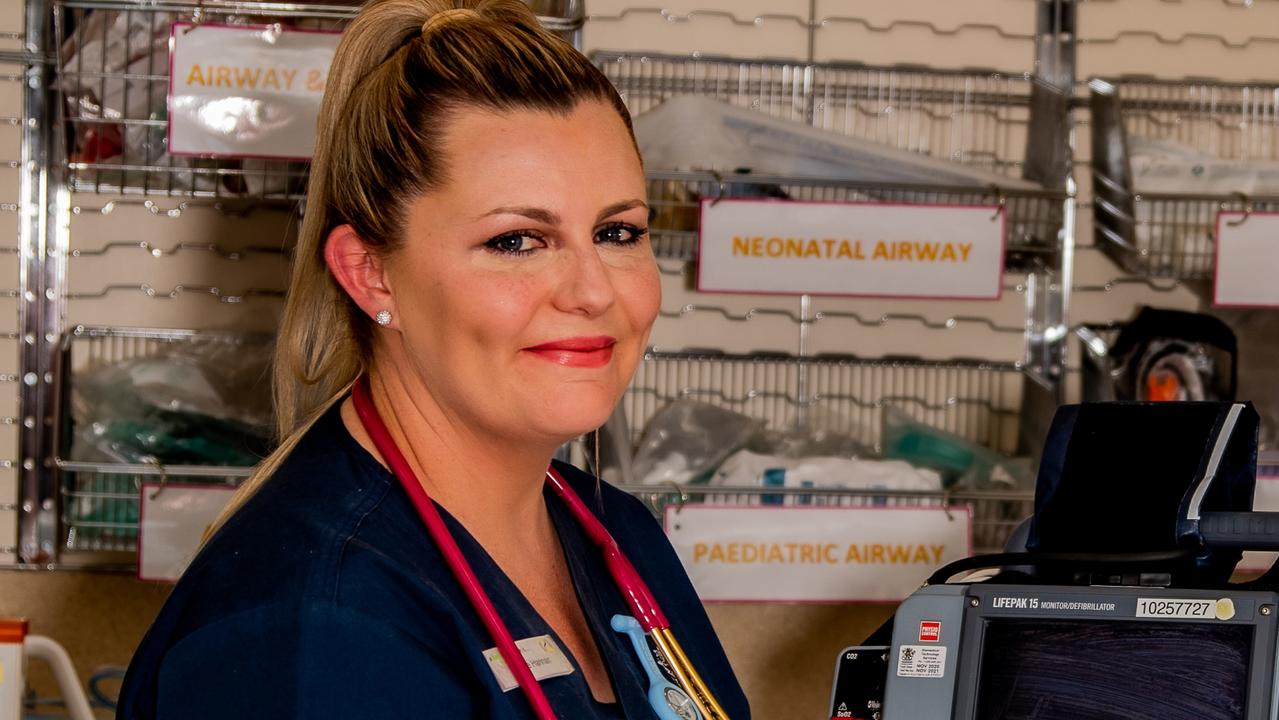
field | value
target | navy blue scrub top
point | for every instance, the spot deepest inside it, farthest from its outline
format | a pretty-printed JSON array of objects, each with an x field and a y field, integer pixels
[{"x": 324, "y": 597}]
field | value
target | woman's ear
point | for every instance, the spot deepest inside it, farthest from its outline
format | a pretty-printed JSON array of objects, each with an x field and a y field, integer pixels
[{"x": 359, "y": 271}]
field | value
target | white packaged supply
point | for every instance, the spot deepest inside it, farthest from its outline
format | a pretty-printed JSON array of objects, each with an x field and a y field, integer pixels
[
  {"x": 696, "y": 133},
  {"x": 747, "y": 469},
  {"x": 1186, "y": 244},
  {"x": 1167, "y": 166}
]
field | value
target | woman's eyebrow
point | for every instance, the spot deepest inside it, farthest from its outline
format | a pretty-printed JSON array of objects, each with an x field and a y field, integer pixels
[
  {"x": 541, "y": 215},
  {"x": 622, "y": 206},
  {"x": 548, "y": 217}
]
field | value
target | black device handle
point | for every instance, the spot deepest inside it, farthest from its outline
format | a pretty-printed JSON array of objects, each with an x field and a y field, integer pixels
[
  {"x": 1240, "y": 530},
  {"x": 1144, "y": 562}
]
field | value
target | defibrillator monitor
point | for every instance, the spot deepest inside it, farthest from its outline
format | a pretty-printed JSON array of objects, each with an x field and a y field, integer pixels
[
  {"x": 1121, "y": 606},
  {"x": 1009, "y": 652}
]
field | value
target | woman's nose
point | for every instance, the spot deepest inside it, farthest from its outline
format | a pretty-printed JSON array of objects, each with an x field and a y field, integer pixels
[{"x": 586, "y": 284}]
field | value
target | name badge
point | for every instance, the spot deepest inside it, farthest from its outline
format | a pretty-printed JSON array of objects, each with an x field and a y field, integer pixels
[{"x": 543, "y": 656}]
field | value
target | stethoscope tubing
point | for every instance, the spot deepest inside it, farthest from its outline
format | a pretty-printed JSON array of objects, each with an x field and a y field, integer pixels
[
  {"x": 643, "y": 605},
  {"x": 449, "y": 549},
  {"x": 638, "y": 597},
  {"x": 634, "y": 590}
]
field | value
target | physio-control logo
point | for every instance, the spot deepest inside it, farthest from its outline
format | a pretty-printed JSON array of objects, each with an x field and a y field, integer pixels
[{"x": 929, "y": 631}]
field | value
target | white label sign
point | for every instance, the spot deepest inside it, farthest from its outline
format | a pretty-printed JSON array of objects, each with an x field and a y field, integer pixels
[
  {"x": 1265, "y": 498},
  {"x": 1247, "y": 260},
  {"x": 921, "y": 661},
  {"x": 173, "y": 521},
  {"x": 916, "y": 251},
  {"x": 247, "y": 92},
  {"x": 827, "y": 555}
]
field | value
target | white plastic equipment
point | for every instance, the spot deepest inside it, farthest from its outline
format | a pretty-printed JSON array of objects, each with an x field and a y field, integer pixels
[{"x": 16, "y": 647}]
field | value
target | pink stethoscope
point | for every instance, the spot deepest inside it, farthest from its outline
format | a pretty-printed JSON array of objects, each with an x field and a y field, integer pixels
[{"x": 677, "y": 694}]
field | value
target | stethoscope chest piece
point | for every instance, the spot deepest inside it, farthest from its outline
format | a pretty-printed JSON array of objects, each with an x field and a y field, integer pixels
[{"x": 680, "y": 703}]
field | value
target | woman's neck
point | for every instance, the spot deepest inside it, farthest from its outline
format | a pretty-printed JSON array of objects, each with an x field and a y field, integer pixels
[{"x": 491, "y": 485}]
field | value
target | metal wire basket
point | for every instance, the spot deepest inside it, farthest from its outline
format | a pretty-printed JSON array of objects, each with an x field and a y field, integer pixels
[
  {"x": 113, "y": 78},
  {"x": 1172, "y": 235},
  {"x": 975, "y": 400},
  {"x": 100, "y": 500},
  {"x": 969, "y": 118}
]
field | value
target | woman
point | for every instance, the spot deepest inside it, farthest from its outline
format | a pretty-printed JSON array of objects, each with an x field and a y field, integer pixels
[{"x": 474, "y": 244}]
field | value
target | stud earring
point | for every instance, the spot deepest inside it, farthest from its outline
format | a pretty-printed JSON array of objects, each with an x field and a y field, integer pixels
[{"x": 383, "y": 317}]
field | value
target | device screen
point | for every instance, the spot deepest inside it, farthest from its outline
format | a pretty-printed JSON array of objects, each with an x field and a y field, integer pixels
[
  {"x": 860, "y": 675},
  {"x": 1063, "y": 670}
]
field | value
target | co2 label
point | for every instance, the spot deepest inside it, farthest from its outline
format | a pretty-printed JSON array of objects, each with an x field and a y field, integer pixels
[{"x": 1200, "y": 609}]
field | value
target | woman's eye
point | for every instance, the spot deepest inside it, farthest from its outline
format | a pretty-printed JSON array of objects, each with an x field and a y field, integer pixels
[
  {"x": 620, "y": 234},
  {"x": 514, "y": 243}
]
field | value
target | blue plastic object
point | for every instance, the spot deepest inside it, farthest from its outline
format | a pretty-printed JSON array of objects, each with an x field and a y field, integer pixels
[{"x": 668, "y": 701}]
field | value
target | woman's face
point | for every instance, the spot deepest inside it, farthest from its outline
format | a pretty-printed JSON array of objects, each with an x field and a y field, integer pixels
[{"x": 526, "y": 285}]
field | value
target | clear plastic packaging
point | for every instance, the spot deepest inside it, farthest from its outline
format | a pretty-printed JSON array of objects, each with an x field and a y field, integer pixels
[
  {"x": 105, "y": 66},
  {"x": 686, "y": 440},
  {"x": 961, "y": 463},
  {"x": 803, "y": 441},
  {"x": 195, "y": 403},
  {"x": 691, "y": 132}
]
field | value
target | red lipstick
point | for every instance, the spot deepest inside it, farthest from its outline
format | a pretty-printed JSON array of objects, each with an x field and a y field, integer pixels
[{"x": 580, "y": 352}]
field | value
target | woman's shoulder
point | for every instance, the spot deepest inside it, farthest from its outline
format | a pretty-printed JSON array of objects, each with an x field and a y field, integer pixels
[
  {"x": 303, "y": 513},
  {"x": 292, "y": 540},
  {"x": 298, "y": 658},
  {"x": 309, "y": 556}
]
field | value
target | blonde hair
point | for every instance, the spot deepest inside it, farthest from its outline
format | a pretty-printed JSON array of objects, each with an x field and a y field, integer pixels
[{"x": 401, "y": 69}]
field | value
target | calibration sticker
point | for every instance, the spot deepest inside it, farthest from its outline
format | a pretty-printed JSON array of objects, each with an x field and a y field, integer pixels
[{"x": 921, "y": 661}]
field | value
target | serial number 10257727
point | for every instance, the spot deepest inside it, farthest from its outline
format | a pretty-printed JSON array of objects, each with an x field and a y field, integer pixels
[{"x": 1169, "y": 608}]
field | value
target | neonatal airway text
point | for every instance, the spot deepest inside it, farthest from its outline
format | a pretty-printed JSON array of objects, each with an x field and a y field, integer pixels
[{"x": 846, "y": 249}]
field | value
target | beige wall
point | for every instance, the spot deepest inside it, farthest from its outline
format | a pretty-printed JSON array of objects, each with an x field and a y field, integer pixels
[
  {"x": 98, "y": 617},
  {"x": 784, "y": 655}
]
